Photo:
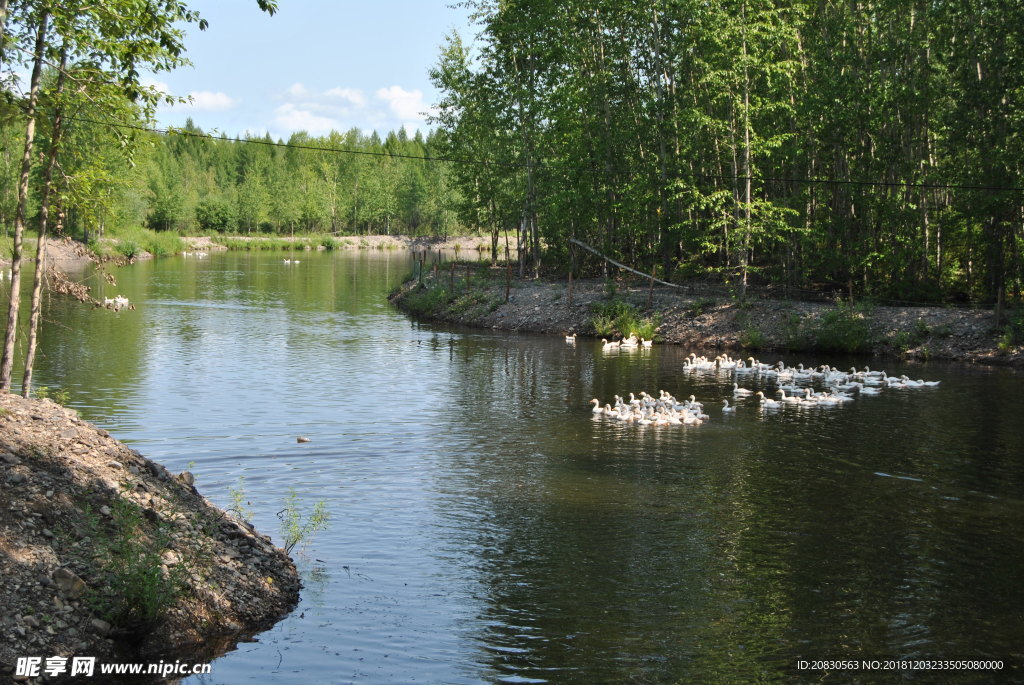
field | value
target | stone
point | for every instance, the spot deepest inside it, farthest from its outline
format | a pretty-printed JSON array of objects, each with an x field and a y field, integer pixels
[
  {"x": 30, "y": 621},
  {"x": 187, "y": 478},
  {"x": 15, "y": 478},
  {"x": 114, "y": 464},
  {"x": 101, "y": 626},
  {"x": 69, "y": 583},
  {"x": 105, "y": 510},
  {"x": 10, "y": 459}
]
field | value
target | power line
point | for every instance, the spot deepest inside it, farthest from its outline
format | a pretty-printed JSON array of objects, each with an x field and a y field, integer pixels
[{"x": 562, "y": 167}]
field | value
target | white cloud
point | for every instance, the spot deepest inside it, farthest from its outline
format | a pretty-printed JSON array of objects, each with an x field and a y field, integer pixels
[
  {"x": 353, "y": 95},
  {"x": 297, "y": 90},
  {"x": 206, "y": 101},
  {"x": 404, "y": 104},
  {"x": 340, "y": 108},
  {"x": 290, "y": 117}
]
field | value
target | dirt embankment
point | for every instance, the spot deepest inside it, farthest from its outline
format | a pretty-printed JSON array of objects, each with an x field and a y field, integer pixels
[
  {"x": 104, "y": 553},
  {"x": 703, "y": 319}
]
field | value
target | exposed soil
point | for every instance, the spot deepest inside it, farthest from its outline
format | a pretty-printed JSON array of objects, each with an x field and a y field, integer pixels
[
  {"x": 62, "y": 483},
  {"x": 703, "y": 318},
  {"x": 66, "y": 253}
]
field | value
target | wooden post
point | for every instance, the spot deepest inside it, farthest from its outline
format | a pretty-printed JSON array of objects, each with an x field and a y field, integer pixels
[{"x": 508, "y": 275}]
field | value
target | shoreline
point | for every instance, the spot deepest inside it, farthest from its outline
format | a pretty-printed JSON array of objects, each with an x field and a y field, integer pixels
[
  {"x": 105, "y": 553},
  {"x": 700, "y": 316},
  {"x": 705, "y": 319},
  {"x": 69, "y": 254}
]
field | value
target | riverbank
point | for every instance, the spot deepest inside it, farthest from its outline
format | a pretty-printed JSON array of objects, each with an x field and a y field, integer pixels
[
  {"x": 104, "y": 553},
  {"x": 702, "y": 318},
  {"x": 330, "y": 242},
  {"x": 68, "y": 253}
]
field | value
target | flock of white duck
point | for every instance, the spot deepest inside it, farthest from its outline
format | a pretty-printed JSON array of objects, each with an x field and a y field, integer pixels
[
  {"x": 630, "y": 343},
  {"x": 794, "y": 386}
]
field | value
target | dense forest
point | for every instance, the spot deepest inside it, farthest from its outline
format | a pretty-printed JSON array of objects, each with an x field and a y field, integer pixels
[
  {"x": 872, "y": 147},
  {"x": 116, "y": 174},
  {"x": 869, "y": 147},
  {"x": 199, "y": 183}
]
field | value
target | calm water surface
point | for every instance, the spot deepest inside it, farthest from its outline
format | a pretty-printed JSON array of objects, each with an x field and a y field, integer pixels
[{"x": 487, "y": 529}]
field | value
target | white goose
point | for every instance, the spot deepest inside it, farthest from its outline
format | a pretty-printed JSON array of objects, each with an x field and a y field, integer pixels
[{"x": 737, "y": 391}]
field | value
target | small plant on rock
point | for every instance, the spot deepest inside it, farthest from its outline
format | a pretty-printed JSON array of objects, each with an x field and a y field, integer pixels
[{"x": 296, "y": 526}]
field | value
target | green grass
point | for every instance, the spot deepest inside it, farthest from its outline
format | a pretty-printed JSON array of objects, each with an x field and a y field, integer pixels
[
  {"x": 441, "y": 298},
  {"x": 614, "y": 316},
  {"x": 130, "y": 589},
  {"x": 843, "y": 329},
  {"x": 1013, "y": 332},
  {"x": 698, "y": 307},
  {"x": 6, "y": 246},
  {"x": 131, "y": 242},
  {"x": 752, "y": 338},
  {"x": 264, "y": 243}
]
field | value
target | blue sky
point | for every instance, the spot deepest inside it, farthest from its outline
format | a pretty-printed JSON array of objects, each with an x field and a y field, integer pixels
[{"x": 315, "y": 65}]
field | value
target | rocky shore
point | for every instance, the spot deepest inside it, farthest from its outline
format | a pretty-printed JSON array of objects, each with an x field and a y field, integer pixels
[
  {"x": 104, "y": 553},
  {"x": 704, "y": 318}
]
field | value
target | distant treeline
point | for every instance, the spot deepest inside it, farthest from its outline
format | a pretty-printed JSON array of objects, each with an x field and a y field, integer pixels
[
  {"x": 188, "y": 182},
  {"x": 253, "y": 185},
  {"x": 871, "y": 147}
]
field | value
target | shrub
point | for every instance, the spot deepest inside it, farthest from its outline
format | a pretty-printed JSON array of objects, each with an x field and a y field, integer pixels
[
  {"x": 1013, "y": 332},
  {"x": 843, "y": 329},
  {"x": 132, "y": 591},
  {"x": 296, "y": 526},
  {"x": 698, "y": 307},
  {"x": 128, "y": 249},
  {"x": 238, "y": 501},
  {"x": 752, "y": 338},
  {"x": 216, "y": 214},
  {"x": 617, "y": 316}
]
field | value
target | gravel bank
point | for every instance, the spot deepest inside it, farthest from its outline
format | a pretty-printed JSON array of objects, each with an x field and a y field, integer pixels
[
  {"x": 68, "y": 492},
  {"x": 703, "y": 319}
]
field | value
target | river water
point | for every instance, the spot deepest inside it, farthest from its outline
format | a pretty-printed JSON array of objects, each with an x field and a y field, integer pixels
[{"x": 486, "y": 528}]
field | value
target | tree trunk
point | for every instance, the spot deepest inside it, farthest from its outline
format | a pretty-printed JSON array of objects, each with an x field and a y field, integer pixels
[
  {"x": 44, "y": 215},
  {"x": 7, "y": 362}
]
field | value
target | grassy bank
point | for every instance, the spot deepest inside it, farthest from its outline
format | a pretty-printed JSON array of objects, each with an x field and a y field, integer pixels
[
  {"x": 455, "y": 291},
  {"x": 136, "y": 242}
]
